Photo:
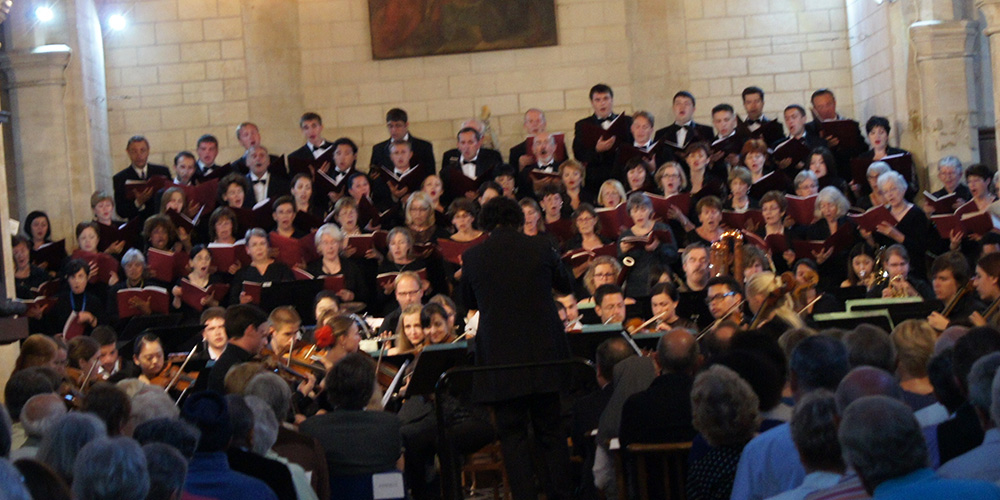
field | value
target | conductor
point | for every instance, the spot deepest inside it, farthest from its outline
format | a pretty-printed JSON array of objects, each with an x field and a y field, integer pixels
[{"x": 509, "y": 278}]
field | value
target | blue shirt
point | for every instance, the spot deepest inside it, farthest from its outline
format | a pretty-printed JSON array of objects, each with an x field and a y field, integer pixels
[
  {"x": 925, "y": 485},
  {"x": 769, "y": 465},
  {"x": 209, "y": 475}
]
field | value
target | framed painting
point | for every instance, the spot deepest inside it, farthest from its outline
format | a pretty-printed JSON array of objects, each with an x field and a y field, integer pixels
[{"x": 411, "y": 28}]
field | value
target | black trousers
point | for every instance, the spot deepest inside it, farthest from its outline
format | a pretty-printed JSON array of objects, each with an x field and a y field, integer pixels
[{"x": 516, "y": 419}]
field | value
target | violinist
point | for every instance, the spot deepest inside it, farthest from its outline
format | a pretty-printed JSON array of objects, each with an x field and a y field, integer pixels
[
  {"x": 342, "y": 336},
  {"x": 987, "y": 282},
  {"x": 806, "y": 298},
  {"x": 149, "y": 357},
  {"x": 285, "y": 323},
  {"x": 950, "y": 272},
  {"x": 572, "y": 310},
  {"x": 609, "y": 304},
  {"x": 83, "y": 355},
  {"x": 771, "y": 306},
  {"x": 214, "y": 334},
  {"x": 411, "y": 326},
  {"x": 437, "y": 331},
  {"x": 246, "y": 327},
  {"x": 111, "y": 363},
  {"x": 663, "y": 301},
  {"x": 724, "y": 297}
]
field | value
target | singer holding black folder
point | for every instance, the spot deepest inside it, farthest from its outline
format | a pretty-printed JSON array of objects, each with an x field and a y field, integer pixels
[{"x": 514, "y": 272}]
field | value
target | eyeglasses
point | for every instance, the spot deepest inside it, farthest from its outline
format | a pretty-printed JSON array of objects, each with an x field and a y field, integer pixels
[
  {"x": 407, "y": 294},
  {"x": 605, "y": 275},
  {"x": 670, "y": 176},
  {"x": 585, "y": 218},
  {"x": 714, "y": 298}
]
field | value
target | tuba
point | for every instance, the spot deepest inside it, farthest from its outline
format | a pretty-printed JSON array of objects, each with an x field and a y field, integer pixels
[{"x": 726, "y": 256}]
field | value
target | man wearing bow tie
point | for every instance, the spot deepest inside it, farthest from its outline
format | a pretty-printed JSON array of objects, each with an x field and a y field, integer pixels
[
  {"x": 597, "y": 137},
  {"x": 534, "y": 124},
  {"x": 265, "y": 184},
  {"x": 316, "y": 146},
  {"x": 472, "y": 162},
  {"x": 398, "y": 125},
  {"x": 543, "y": 149},
  {"x": 208, "y": 151},
  {"x": 795, "y": 120},
  {"x": 138, "y": 169},
  {"x": 756, "y": 125},
  {"x": 248, "y": 136},
  {"x": 642, "y": 146},
  {"x": 684, "y": 130}
]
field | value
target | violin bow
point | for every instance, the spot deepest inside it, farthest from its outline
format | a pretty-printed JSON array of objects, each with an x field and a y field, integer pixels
[{"x": 181, "y": 369}]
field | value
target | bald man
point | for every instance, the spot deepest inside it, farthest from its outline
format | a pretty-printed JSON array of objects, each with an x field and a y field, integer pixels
[{"x": 662, "y": 413}]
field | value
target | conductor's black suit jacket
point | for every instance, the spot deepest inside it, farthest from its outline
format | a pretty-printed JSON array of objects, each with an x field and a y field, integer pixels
[{"x": 509, "y": 278}]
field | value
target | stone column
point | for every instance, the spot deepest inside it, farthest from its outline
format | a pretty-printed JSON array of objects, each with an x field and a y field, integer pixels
[
  {"x": 42, "y": 157},
  {"x": 991, "y": 11},
  {"x": 943, "y": 51}
]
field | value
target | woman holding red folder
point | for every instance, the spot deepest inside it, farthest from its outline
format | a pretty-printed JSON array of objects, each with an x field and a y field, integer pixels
[
  {"x": 262, "y": 268},
  {"x": 831, "y": 209},
  {"x": 913, "y": 227},
  {"x": 329, "y": 241}
]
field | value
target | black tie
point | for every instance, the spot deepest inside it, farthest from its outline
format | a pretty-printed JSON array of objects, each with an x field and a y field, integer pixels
[
  {"x": 752, "y": 122},
  {"x": 259, "y": 181}
]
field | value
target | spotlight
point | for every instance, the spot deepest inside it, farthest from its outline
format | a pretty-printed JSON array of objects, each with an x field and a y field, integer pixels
[
  {"x": 44, "y": 14},
  {"x": 117, "y": 22}
]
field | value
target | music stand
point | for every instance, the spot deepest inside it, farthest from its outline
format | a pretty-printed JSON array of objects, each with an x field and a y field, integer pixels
[
  {"x": 432, "y": 362},
  {"x": 899, "y": 309},
  {"x": 647, "y": 340},
  {"x": 584, "y": 344},
  {"x": 848, "y": 320},
  {"x": 299, "y": 294}
]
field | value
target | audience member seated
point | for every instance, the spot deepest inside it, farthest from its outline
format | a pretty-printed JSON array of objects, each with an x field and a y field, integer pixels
[
  {"x": 814, "y": 431},
  {"x": 111, "y": 469},
  {"x": 979, "y": 462},
  {"x": 69, "y": 434},
  {"x": 37, "y": 417}
]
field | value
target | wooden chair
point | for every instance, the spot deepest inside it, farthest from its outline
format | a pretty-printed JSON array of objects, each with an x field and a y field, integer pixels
[
  {"x": 672, "y": 459},
  {"x": 488, "y": 459}
]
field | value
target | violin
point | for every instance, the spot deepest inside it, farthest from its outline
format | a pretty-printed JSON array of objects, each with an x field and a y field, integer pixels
[
  {"x": 636, "y": 325},
  {"x": 173, "y": 375},
  {"x": 959, "y": 295},
  {"x": 788, "y": 286}
]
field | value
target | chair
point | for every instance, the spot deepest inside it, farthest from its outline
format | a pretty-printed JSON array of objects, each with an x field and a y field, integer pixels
[
  {"x": 488, "y": 459},
  {"x": 381, "y": 486},
  {"x": 670, "y": 458}
]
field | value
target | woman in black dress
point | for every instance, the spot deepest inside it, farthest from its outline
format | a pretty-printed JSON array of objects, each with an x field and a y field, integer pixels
[
  {"x": 329, "y": 241},
  {"x": 262, "y": 268}
]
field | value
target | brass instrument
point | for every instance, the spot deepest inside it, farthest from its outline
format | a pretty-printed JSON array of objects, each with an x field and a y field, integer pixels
[
  {"x": 880, "y": 272},
  {"x": 726, "y": 252},
  {"x": 898, "y": 287}
]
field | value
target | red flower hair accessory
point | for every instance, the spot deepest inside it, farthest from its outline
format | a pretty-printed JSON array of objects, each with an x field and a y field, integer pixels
[{"x": 323, "y": 336}]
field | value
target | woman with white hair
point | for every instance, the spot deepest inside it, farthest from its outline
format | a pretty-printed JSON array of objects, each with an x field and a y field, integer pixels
[
  {"x": 329, "y": 243},
  {"x": 831, "y": 214},
  {"x": 912, "y": 228},
  {"x": 869, "y": 196}
]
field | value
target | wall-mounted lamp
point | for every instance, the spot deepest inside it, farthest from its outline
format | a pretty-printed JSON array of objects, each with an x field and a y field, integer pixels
[
  {"x": 44, "y": 13},
  {"x": 117, "y": 22}
]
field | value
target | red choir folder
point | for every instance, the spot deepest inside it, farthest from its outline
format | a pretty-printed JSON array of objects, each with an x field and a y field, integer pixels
[
  {"x": 104, "y": 263},
  {"x": 777, "y": 243},
  {"x": 944, "y": 205},
  {"x": 755, "y": 240},
  {"x": 578, "y": 257},
  {"x": 802, "y": 210},
  {"x": 166, "y": 266},
  {"x": 50, "y": 256},
  {"x": 978, "y": 223},
  {"x": 968, "y": 207},
  {"x": 838, "y": 241},
  {"x": 871, "y": 218},
  {"x": 182, "y": 221},
  {"x": 589, "y": 132},
  {"x": 458, "y": 183},
  {"x": 299, "y": 165},
  {"x": 360, "y": 243},
  {"x": 38, "y": 304},
  {"x": 252, "y": 289},
  {"x": 792, "y": 148},
  {"x": 452, "y": 250},
  {"x": 844, "y": 130},
  {"x": 411, "y": 179},
  {"x": 614, "y": 219},
  {"x": 902, "y": 163},
  {"x": 48, "y": 289},
  {"x": 663, "y": 236},
  {"x": 385, "y": 279},
  {"x": 771, "y": 181},
  {"x": 661, "y": 204},
  {"x": 135, "y": 186},
  {"x": 192, "y": 294},
  {"x": 562, "y": 229},
  {"x": 224, "y": 255},
  {"x": 204, "y": 193},
  {"x": 560, "y": 154},
  {"x": 110, "y": 234},
  {"x": 159, "y": 300},
  {"x": 292, "y": 251},
  {"x": 540, "y": 176},
  {"x": 738, "y": 220}
]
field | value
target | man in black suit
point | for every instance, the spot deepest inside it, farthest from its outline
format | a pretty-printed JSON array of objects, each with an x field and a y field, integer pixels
[
  {"x": 397, "y": 122},
  {"x": 756, "y": 125},
  {"x": 265, "y": 184},
  {"x": 662, "y": 413},
  {"x": 247, "y": 328},
  {"x": 534, "y": 124},
  {"x": 509, "y": 278},
  {"x": 316, "y": 146},
  {"x": 595, "y": 150},
  {"x": 208, "y": 151},
  {"x": 795, "y": 121},
  {"x": 248, "y": 136},
  {"x": 684, "y": 130},
  {"x": 138, "y": 169},
  {"x": 470, "y": 160},
  {"x": 543, "y": 156},
  {"x": 643, "y": 146},
  {"x": 385, "y": 190},
  {"x": 824, "y": 105}
]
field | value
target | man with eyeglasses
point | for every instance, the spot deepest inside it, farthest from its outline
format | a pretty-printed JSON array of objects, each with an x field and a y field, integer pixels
[
  {"x": 724, "y": 295},
  {"x": 409, "y": 290}
]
